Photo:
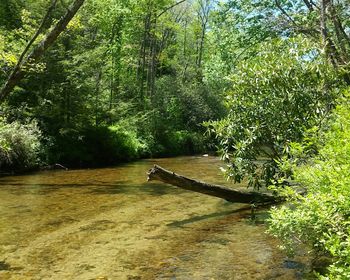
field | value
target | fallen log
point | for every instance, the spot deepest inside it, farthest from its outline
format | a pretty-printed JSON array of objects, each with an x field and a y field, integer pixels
[{"x": 160, "y": 174}]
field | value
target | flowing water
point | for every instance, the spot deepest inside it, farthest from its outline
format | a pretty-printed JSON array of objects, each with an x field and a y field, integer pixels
[{"x": 111, "y": 224}]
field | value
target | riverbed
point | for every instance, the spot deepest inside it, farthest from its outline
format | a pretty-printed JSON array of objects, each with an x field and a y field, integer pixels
[{"x": 110, "y": 223}]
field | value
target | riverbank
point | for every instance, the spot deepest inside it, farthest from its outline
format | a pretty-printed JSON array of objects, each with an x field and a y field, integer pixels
[
  {"x": 61, "y": 167},
  {"x": 25, "y": 148}
]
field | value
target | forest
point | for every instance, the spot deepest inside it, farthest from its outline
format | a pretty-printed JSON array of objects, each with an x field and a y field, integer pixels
[{"x": 264, "y": 84}]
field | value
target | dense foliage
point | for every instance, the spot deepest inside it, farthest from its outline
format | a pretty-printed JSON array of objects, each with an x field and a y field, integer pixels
[
  {"x": 123, "y": 81},
  {"x": 139, "y": 78},
  {"x": 19, "y": 145},
  {"x": 283, "y": 66},
  {"x": 321, "y": 218},
  {"x": 275, "y": 96}
]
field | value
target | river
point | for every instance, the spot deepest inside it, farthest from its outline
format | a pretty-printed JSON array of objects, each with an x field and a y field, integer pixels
[{"x": 110, "y": 223}]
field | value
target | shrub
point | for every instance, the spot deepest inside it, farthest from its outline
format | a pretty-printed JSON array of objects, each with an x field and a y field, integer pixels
[
  {"x": 275, "y": 96},
  {"x": 321, "y": 219},
  {"x": 19, "y": 145}
]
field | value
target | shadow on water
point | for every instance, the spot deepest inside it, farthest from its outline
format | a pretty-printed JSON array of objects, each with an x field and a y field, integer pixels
[
  {"x": 101, "y": 188},
  {"x": 146, "y": 188},
  {"x": 208, "y": 216},
  {"x": 4, "y": 266},
  {"x": 54, "y": 186}
]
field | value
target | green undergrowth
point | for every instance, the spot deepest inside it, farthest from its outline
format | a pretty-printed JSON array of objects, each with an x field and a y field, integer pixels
[
  {"x": 20, "y": 146},
  {"x": 321, "y": 219},
  {"x": 102, "y": 146}
]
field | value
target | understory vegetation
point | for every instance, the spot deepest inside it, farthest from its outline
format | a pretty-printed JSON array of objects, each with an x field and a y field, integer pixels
[
  {"x": 266, "y": 83},
  {"x": 20, "y": 145},
  {"x": 321, "y": 217}
]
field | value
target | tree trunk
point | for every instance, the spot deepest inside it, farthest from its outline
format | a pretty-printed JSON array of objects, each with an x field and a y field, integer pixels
[
  {"x": 329, "y": 48},
  {"x": 18, "y": 73},
  {"x": 141, "y": 71},
  {"x": 160, "y": 174}
]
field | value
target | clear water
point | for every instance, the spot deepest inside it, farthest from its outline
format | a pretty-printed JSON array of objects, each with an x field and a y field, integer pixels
[{"x": 111, "y": 224}]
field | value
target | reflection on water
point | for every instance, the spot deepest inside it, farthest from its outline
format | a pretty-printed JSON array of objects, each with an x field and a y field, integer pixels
[{"x": 111, "y": 224}]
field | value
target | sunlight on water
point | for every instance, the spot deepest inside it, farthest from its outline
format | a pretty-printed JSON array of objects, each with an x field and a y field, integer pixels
[{"x": 111, "y": 224}]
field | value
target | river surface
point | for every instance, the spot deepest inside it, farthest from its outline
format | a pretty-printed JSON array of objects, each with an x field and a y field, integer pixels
[{"x": 111, "y": 224}]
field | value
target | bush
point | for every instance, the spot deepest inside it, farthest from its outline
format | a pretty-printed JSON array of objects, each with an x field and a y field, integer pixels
[
  {"x": 19, "y": 145},
  {"x": 321, "y": 219},
  {"x": 275, "y": 96}
]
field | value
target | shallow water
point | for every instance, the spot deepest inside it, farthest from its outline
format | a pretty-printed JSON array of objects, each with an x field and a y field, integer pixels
[{"x": 111, "y": 224}]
